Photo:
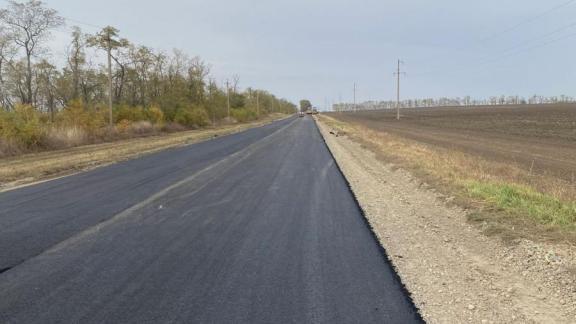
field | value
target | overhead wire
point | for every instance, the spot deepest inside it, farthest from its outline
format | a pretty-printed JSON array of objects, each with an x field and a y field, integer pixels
[
  {"x": 527, "y": 21},
  {"x": 518, "y": 48},
  {"x": 76, "y": 21}
]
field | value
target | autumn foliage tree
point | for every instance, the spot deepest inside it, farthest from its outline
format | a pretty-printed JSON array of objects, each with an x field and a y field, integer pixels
[{"x": 159, "y": 87}]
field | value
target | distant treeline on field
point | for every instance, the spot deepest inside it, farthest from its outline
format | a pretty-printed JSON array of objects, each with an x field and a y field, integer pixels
[
  {"x": 455, "y": 102},
  {"x": 43, "y": 105}
]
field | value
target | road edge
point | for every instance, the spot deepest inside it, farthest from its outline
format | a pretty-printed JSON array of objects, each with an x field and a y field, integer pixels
[
  {"x": 370, "y": 228},
  {"x": 456, "y": 273}
]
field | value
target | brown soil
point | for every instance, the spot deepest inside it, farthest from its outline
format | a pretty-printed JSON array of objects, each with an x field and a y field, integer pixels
[
  {"x": 538, "y": 138},
  {"x": 454, "y": 272}
]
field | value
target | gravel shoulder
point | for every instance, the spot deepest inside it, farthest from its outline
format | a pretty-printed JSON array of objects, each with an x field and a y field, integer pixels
[{"x": 455, "y": 273}]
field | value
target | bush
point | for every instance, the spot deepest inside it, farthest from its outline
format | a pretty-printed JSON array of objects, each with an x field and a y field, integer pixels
[
  {"x": 138, "y": 114},
  {"x": 76, "y": 114},
  {"x": 125, "y": 112},
  {"x": 26, "y": 129},
  {"x": 123, "y": 126},
  {"x": 22, "y": 126},
  {"x": 244, "y": 115},
  {"x": 154, "y": 115},
  {"x": 192, "y": 117}
]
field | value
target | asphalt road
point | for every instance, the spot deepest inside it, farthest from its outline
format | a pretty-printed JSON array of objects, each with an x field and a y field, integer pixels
[{"x": 257, "y": 227}]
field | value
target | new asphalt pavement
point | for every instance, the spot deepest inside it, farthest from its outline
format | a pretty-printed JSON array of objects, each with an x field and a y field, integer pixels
[{"x": 255, "y": 227}]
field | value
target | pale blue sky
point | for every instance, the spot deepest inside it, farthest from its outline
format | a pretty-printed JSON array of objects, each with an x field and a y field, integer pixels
[{"x": 318, "y": 48}]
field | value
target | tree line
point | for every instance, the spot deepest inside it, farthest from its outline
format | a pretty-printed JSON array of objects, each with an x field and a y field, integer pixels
[
  {"x": 142, "y": 83},
  {"x": 455, "y": 102}
]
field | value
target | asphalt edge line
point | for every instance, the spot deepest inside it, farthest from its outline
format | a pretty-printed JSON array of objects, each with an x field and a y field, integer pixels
[{"x": 381, "y": 247}]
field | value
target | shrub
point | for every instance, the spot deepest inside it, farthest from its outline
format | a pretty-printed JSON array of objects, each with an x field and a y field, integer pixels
[
  {"x": 154, "y": 115},
  {"x": 125, "y": 112},
  {"x": 243, "y": 114},
  {"x": 123, "y": 126},
  {"x": 22, "y": 126},
  {"x": 192, "y": 117},
  {"x": 76, "y": 114}
]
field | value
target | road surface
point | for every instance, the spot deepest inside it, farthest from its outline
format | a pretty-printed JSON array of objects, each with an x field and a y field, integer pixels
[{"x": 256, "y": 227}]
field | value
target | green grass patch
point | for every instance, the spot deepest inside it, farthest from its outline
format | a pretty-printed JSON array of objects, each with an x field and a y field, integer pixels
[{"x": 525, "y": 201}]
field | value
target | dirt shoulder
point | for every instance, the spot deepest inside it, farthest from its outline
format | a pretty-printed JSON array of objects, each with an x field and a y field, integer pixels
[
  {"x": 31, "y": 168},
  {"x": 454, "y": 272}
]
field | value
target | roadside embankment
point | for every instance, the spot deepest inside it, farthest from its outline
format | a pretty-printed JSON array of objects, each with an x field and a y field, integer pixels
[
  {"x": 454, "y": 271},
  {"x": 30, "y": 168}
]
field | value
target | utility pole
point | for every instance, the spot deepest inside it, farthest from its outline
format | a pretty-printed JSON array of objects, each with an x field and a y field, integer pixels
[
  {"x": 257, "y": 104},
  {"x": 355, "y": 108},
  {"x": 228, "y": 97},
  {"x": 398, "y": 73},
  {"x": 211, "y": 84},
  {"x": 109, "y": 49}
]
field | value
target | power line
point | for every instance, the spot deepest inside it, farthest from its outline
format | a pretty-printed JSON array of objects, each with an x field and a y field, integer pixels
[
  {"x": 502, "y": 57},
  {"x": 517, "y": 49},
  {"x": 76, "y": 21},
  {"x": 82, "y": 23},
  {"x": 541, "y": 37},
  {"x": 527, "y": 21},
  {"x": 530, "y": 48}
]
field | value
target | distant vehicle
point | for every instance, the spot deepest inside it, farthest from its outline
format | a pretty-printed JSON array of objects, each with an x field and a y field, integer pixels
[{"x": 301, "y": 114}]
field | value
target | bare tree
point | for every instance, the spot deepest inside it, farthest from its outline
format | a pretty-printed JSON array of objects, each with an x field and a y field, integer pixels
[
  {"x": 235, "y": 83},
  {"x": 7, "y": 52},
  {"x": 28, "y": 25},
  {"x": 45, "y": 94}
]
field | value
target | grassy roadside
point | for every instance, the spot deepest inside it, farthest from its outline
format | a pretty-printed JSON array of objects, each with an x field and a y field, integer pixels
[
  {"x": 30, "y": 168},
  {"x": 503, "y": 198}
]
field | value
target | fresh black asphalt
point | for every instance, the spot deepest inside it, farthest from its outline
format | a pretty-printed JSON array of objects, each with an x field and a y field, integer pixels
[{"x": 256, "y": 227}]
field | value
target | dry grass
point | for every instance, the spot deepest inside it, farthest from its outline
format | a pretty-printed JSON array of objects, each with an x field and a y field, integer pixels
[
  {"x": 9, "y": 147},
  {"x": 65, "y": 137},
  {"x": 28, "y": 168},
  {"x": 507, "y": 196}
]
